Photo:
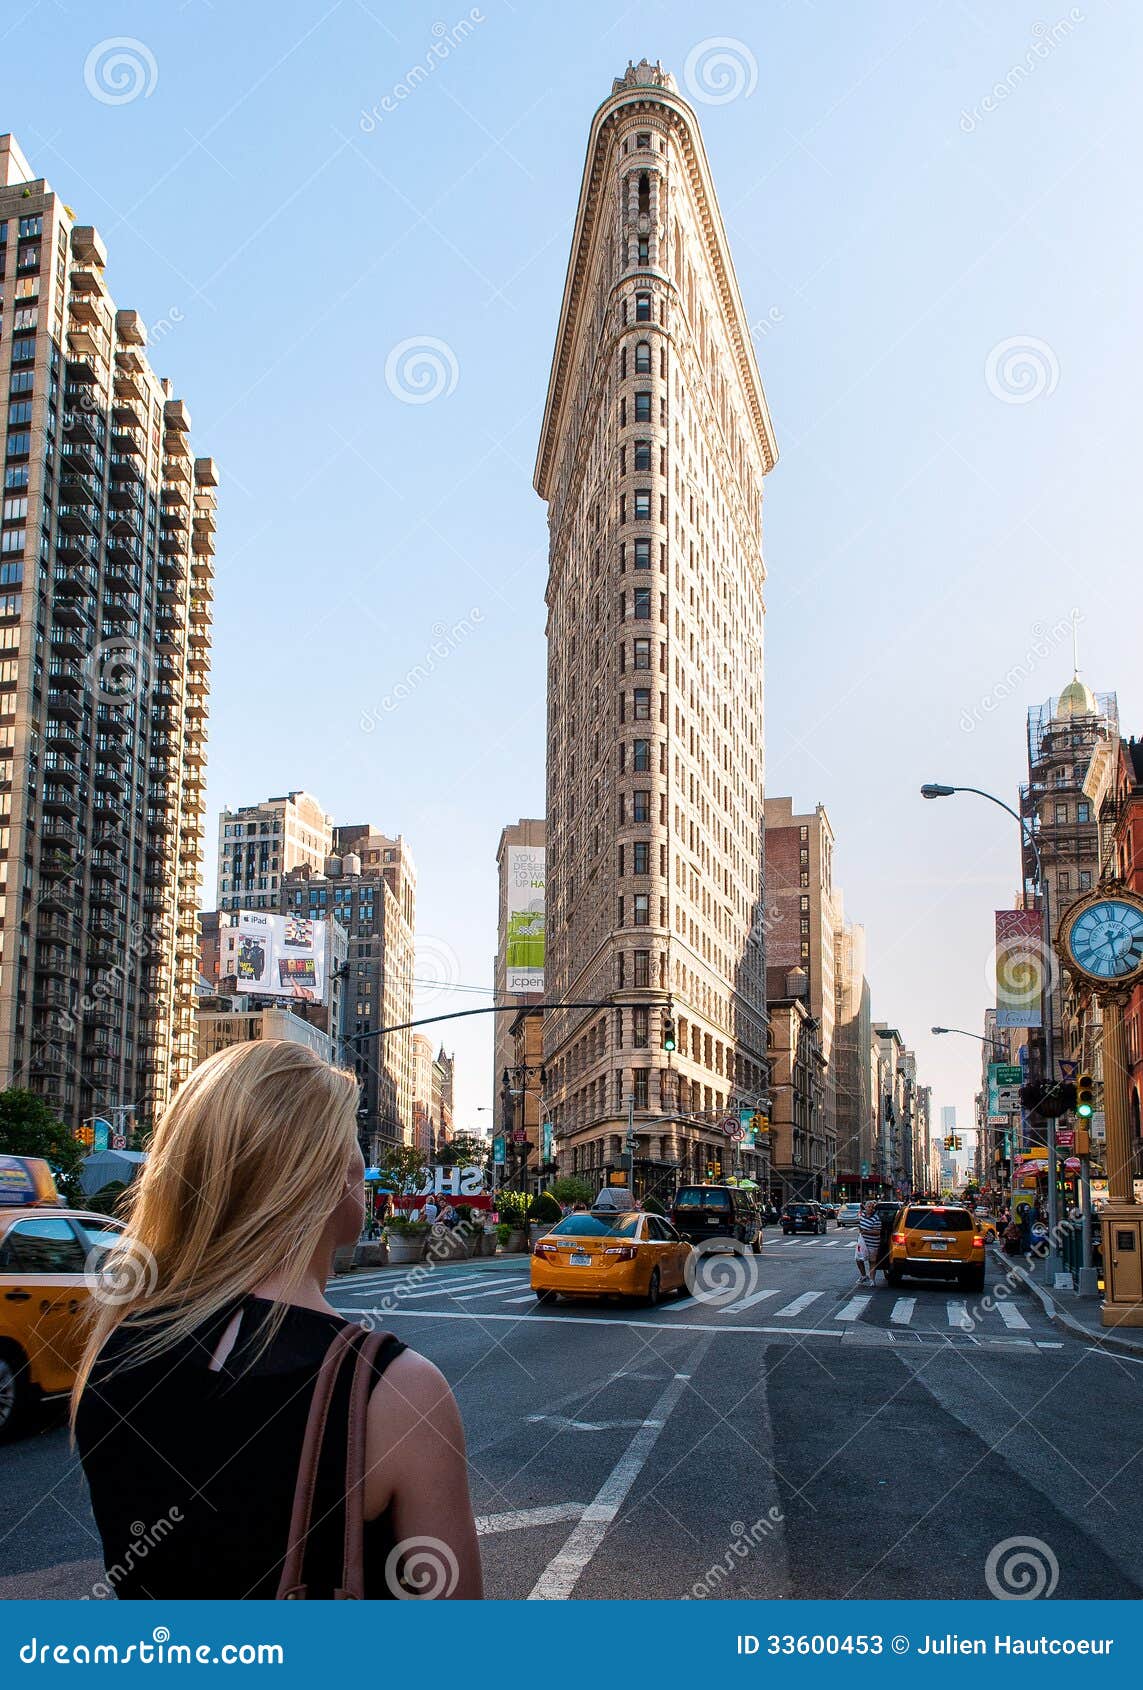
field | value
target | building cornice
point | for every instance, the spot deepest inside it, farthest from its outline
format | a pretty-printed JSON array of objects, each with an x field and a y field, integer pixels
[{"x": 663, "y": 103}]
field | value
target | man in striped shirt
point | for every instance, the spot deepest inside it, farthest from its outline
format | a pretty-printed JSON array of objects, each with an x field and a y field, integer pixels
[{"x": 869, "y": 1243}]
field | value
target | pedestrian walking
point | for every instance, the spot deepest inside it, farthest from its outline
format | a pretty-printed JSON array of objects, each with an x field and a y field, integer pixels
[
  {"x": 868, "y": 1244},
  {"x": 220, "y": 1388}
]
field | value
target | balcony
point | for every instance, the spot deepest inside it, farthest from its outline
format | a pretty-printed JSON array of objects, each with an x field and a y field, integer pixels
[
  {"x": 120, "y": 607},
  {"x": 112, "y": 722},
  {"x": 66, "y": 609},
  {"x": 58, "y": 895},
  {"x": 60, "y": 800},
  {"x": 79, "y": 423},
  {"x": 111, "y": 748},
  {"x": 130, "y": 330},
  {"x": 71, "y": 637},
  {"x": 57, "y": 930},
  {"x": 202, "y": 541},
  {"x": 48, "y": 996},
  {"x": 57, "y": 830},
  {"x": 66, "y": 676},
  {"x": 126, "y": 383},
  {"x": 54, "y": 960},
  {"x": 78, "y": 458},
  {"x": 126, "y": 412},
  {"x": 81, "y": 547},
  {"x": 108, "y": 808},
  {"x": 84, "y": 310},
  {"x": 59, "y": 766},
  {"x": 85, "y": 343},
  {"x": 56, "y": 863},
  {"x": 78, "y": 518},
  {"x": 86, "y": 282},
  {"x": 127, "y": 442},
  {"x": 127, "y": 521},
  {"x": 65, "y": 702}
]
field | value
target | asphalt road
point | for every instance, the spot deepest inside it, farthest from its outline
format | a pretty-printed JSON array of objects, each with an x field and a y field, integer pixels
[{"x": 781, "y": 1435}]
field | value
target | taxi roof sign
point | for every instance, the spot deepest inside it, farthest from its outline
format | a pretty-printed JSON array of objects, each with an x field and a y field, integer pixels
[{"x": 25, "y": 1181}]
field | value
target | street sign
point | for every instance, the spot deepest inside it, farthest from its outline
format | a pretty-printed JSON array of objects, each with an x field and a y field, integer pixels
[
  {"x": 119, "y": 1141},
  {"x": 1068, "y": 1070},
  {"x": 1065, "y": 1137}
]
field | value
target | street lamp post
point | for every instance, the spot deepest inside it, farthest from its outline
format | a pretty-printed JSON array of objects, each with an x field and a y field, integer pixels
[{"x": 934, "y": 789}]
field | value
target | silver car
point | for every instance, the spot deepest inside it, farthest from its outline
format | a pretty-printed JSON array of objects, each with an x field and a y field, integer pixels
[{"x": 849, "y": 1214}]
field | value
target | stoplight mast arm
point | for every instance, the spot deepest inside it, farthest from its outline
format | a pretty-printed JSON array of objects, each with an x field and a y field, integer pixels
[{"x": 508, "y": 1009}]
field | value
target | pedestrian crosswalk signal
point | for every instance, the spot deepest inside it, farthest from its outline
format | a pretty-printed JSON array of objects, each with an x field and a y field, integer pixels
[
  {"x": 668, "y": 1032},
  {"x": 1085, "y": 1097}
]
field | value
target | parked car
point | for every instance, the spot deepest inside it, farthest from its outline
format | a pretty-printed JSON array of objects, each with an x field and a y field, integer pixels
[
  {"x": 47, "y": 1255},
  {"x": 610, "y": 1254},
  {"x": 937, "y": 1239},
  {"x": 700, "y": 1212},
  {"x": 802, "y": 1217},
  {"x": 849, "y": 1214}
]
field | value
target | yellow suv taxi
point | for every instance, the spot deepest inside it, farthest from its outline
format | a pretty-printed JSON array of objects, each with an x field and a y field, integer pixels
[
  {"x": 48, "y": 1257},
  {"x": 937, "y": 1240}
]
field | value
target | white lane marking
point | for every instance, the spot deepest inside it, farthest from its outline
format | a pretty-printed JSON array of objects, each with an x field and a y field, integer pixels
[
  {"x": 400, "y": 1289},
  {"x": 1012, "y": 1318},
  {"x": 519, "y": 1519},
  {"x": 530, "y": 1298},
  {"x": 1111, "y": 1355},
  {"x": 491, "y": 1291},
  {"x": 902, "y": 1311},
  {"x": 1043, "y": 1344},
  {"x": 833, "y": 1243},
  {"x": 958, "y": 1316},
  {"x": 563, "y": 1424},
  {"x": 397, "y": 1296},
  {"x": 748, "y": 1302},
  {"x": 562, "y": 1574},
  {"x": 798, "y": 1304},
  {"x": 596, "y": 1320},
  {"x": 853, "y": 1310}
]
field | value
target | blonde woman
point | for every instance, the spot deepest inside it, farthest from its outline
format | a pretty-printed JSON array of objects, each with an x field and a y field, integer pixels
[{"x": 210, "y": 1329}]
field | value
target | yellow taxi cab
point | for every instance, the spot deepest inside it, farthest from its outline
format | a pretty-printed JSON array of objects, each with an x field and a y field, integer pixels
[
  {"x": 610, "y": 1253},
  {"x": 986, "y": 1225},
  {"x": 47, "y": 1256},
  {"x": 937, "y": 1240}
]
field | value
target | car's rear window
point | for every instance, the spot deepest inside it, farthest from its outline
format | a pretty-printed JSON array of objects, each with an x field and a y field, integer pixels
[
  {"x": 939, "y": 1220},
  {"x": 799, "y": 1209},
  {"x": 597, "y": 1226},
  {"x": 700, "y": 1197}
]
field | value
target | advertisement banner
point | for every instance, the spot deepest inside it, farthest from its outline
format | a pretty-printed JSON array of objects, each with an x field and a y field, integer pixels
[
  {"x": 1019, "y": 968},
  {"x": 275, "y": 956},
  {"x": 525, "y": 918}
]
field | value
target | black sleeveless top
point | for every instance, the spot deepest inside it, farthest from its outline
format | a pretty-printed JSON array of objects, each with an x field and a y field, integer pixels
[{"x": 192, "y": 1471}]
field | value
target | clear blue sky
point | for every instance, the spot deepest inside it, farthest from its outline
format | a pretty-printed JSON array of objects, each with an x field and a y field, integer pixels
[{"x": 889, "y": 233}]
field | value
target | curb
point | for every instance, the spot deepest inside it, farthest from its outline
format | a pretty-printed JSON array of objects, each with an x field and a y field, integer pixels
[{"x": 1106, "y": 1338}]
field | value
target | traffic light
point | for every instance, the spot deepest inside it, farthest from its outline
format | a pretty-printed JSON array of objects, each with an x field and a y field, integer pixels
[
  {"x": 1083, "y": 1142},
  {"x": 668, "y": 1032},
  {"x": 1085, "y": 1097}
]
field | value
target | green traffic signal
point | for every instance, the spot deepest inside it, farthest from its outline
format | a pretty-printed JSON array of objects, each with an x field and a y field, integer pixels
[
  {"x": 1085, "y": 1097},
  {"x": 668, "y": 1033}
]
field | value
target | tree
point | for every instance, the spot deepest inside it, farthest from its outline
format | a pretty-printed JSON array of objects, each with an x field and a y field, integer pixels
[
  {"x": 467, "y": 1151},
  {"x": 28, "y": 1128},
  {"x": 402, "y": 1164},
  {"x": 570, "y": 1189}
]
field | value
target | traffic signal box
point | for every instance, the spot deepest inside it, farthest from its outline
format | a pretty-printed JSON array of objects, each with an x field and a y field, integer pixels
[{"x": 1085, "y": 1097}]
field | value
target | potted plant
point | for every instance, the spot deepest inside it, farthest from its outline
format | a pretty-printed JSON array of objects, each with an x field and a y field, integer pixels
[
  {"x": 543, "y": 1213},
  {"x": 502, "y": 1234},
  {"x": 512, "y": 1207},
  {"x": 407, "y": 1240}
]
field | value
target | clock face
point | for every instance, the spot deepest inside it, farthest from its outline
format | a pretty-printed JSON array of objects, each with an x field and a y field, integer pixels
[{"x": 1106, "y": 940}]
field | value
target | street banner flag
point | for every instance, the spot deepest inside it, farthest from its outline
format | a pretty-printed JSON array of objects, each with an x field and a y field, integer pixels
[{"x": 1020, "y": 966}]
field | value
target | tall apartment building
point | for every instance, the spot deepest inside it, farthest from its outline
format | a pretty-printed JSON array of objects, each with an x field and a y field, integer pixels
[
  {"x": 260, "y": 843},
  {"x": 654, "y": 446},
  {"x": 106, "y": 571},
  {"x": 856, "y": 1112},
  {"x": 369, "y": 885},
  {"x": 422, "y": 1134},
  {"x": 803, "y": 916},
  {"x": 1063, "y": 735},
  {"x": 522, "y": 844}
]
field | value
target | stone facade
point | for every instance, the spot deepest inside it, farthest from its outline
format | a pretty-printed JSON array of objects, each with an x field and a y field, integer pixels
[{"x": 655, "y": 443}]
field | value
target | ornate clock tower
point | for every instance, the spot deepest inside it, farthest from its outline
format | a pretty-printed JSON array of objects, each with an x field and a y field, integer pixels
[{"x": 1101, "y": 944}]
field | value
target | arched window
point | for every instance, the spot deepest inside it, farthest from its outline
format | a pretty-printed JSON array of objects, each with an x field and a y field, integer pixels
[
  {"x": 643, "y": 358},
  {"x": 642, "y": 307}
]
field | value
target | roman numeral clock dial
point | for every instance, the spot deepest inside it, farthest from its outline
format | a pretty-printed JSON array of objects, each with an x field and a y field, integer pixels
[{"x": 1104, "y": 940}]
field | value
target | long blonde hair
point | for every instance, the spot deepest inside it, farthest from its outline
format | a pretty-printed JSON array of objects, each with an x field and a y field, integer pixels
[{"x": 244, "y": 1172}]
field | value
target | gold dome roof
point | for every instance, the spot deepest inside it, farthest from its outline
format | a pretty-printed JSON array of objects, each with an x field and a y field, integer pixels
[{"x": 1077, "y": 699}]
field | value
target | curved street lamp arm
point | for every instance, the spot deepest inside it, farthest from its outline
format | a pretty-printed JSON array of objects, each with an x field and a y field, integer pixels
[{"x": 1016, "y": 816}]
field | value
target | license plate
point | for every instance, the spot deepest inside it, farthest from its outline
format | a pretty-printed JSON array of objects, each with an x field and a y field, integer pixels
[
  {"x": 933, "y": 1245},
  {"x": 579, "y": 1260}
]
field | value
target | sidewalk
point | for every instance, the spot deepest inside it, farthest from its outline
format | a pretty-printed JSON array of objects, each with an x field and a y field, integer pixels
[{"x": 1077, "y": 1315}]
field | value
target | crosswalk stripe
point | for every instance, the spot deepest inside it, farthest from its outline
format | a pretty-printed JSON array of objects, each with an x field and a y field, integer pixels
[
  {"x": 958, "y": 1316},
  {"x": 902, "y": 1311},
  {"x": 747, "y": 1302},
  {"x": 489, "y": 1291},
  {"x": 853, "y": 1310},
  {"x": 1012, "y": 1318},
  {"x": 530, "y": 1298},
  {"x": 798, "y": 1304}
]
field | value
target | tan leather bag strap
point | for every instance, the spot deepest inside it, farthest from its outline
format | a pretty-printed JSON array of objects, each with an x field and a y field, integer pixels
[
  {"x": 346, "y": 1340},
  {"x": 353, "y": 1555},
  {"x": 290, "y": 1586}
]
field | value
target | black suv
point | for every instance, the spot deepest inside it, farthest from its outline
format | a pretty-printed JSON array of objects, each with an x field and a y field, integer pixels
[
  {"x": 803, "y": 1217},
  {"x": 717, "y": 1211}
]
